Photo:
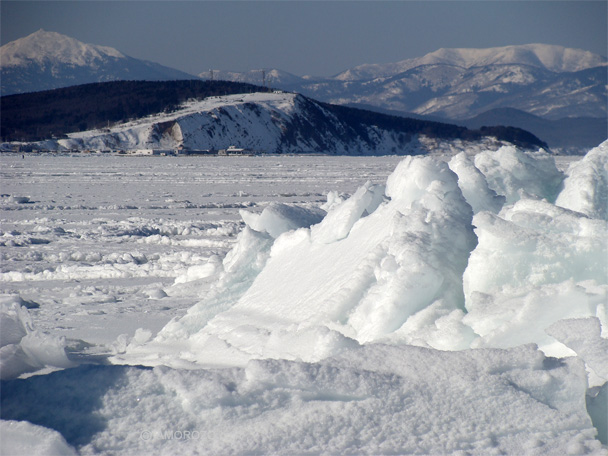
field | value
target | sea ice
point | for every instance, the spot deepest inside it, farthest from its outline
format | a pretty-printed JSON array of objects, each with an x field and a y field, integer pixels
[
  {"x": 401, "y": 263},
  {"x": 514, "y": 173},
  {"x": 345, "y": 332},
  {"x": 586, "y": 187},
  {"x": 535, "y": 264},
  {"x": 22, "y": 348},
  {"x": 474, "y": 185}
]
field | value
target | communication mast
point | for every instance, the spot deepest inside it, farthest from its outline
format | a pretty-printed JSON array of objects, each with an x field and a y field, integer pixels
[
  {"x": 264, "y": 78},
  {"x": 211, "y": 75}
]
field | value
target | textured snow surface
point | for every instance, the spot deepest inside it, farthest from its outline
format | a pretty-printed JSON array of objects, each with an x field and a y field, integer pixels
[
  {"x": 21, "y": 437},
  {"x": 426, "y": 305},
  {"x": 376, "y": 399}
]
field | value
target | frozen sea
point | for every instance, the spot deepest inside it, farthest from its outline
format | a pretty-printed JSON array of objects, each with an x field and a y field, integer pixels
[
  {"x": 100, "y": 235},
  {"x": 304, "y": 304}
]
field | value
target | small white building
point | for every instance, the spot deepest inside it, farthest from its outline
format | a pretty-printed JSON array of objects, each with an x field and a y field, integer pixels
[{"x": 233, "y": 150}]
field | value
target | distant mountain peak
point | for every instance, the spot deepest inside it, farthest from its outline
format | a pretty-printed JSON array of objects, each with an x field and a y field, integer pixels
[
  {"x": 43, "y": 46},
  {"x": 551, "y": 57},
  {"x": 49, "y": 60}
]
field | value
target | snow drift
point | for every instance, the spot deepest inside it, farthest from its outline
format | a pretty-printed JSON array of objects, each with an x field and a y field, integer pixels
[{"x": 375, "y": 399}]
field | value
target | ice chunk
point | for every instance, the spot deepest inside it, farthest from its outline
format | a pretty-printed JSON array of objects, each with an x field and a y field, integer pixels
[
  {"x": 211, "y": 268},
  {"x": 583, "y": 335},
  {"x": 535, "y": 264},
  {"x": 277, "y": 218},
  {"x": 19, "y": 199},
  {"x": 339, "y": 221},
  {"x": 20, "y": 438},
  {"x": 25, "y": 349},
  {"x": 474, "y": 186},
  {"x": 239, "y": 268},
  {"x": 514, "y": 173},
  {"x": 15, "y": 321},
  {"x": 333, "y": 200},
  {"x": 586, "y": 187},
  {"x": 527, "y": 243}
]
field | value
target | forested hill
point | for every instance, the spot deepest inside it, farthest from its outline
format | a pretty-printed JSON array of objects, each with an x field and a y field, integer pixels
[
  {"x": 54, "y": 113},
  {"x": 40, "y": 115}
]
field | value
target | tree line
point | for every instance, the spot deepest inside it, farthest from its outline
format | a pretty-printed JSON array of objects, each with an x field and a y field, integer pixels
[{"x": 54, "y": 113}]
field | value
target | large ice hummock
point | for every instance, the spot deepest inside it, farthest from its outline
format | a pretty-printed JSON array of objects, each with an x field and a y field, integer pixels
[
  {"x": 371, "y": 263},
  {"x": 470, "y": 253}
]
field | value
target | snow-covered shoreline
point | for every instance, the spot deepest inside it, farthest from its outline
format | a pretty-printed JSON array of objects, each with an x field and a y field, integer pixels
[{"x": 402, "y": 315}]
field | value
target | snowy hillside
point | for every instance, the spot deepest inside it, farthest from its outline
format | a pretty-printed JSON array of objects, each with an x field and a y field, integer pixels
[
  {"x": 276, "y": 123},
  {"x": 545, "y": 80},
  {"x": 47, "y": 60}
]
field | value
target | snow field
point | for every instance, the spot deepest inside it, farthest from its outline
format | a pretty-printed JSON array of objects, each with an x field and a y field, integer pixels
[{"x": 349, "y": 328}]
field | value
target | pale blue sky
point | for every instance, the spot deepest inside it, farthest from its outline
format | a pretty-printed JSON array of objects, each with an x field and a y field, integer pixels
[{"x": 306, "y": 37}]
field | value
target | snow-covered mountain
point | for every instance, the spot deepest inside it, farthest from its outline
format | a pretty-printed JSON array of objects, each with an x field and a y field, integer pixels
[
  {"x": 550, "y": 57},
  {"x": 48, "y": 60},
  {"x": 544, "y": 80},
  {"x": 277, "y": 123}
]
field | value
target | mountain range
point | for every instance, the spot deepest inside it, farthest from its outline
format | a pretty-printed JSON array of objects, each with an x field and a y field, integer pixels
[
  {"x": 557, "y": 93},
  {"x": 563, "y": 89},
  {"x": 545, "y": 80}
]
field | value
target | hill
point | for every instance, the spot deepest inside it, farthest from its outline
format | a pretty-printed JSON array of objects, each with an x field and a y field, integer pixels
[
  {"x": 204, "y": 114},
  {"x": 42, "y": 115}
]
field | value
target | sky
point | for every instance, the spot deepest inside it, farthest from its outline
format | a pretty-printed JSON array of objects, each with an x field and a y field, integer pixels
[{"x": 319, "y": 38}]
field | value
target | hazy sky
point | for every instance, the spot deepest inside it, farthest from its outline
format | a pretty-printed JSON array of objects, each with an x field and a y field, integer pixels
[{"x": 306, "y": 37}]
